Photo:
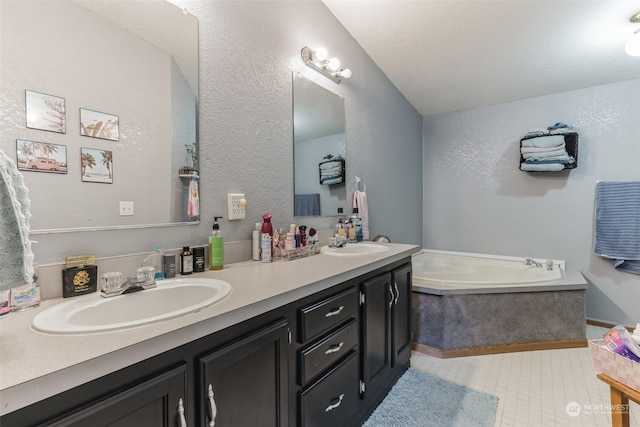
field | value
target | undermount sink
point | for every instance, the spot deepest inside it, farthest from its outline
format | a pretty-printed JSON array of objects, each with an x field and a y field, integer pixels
[
  {"x": 354, "y": 249},
  {"x": 90, "y": 314}
]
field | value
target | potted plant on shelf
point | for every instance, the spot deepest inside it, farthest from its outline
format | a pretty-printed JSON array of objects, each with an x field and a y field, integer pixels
[{"x": 190, "y": 170}]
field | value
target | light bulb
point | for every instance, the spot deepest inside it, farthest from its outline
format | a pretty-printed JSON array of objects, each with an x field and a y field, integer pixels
[
  {"x": 320, "y": 54},
  {"x": 334, "y": 64},
  {"x": 346, "y": 73},
  {"x": 632, "y": 47}
]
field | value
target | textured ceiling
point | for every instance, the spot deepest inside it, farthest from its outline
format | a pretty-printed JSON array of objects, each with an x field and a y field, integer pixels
[{"x": 456, "y": 54}]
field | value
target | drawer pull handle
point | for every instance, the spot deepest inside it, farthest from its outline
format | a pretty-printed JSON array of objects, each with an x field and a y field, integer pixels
[
  {"x": 333, "y": 406},
  {"x": 183, "y": 421},
  {"x": 212, "y": 407},
  {"x": 392, "y": 295},
  {"x": 334, "y": 348},
  {"x": 335, "y": 311}
]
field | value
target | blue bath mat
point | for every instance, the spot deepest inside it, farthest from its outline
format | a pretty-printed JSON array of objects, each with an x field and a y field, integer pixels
[{"x": 420, "y": 400}]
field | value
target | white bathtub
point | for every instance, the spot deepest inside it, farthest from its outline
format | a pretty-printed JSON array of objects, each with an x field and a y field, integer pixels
[{"x": 457, "y": 268}]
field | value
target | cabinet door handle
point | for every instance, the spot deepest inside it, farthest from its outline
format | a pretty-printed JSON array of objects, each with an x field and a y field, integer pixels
[
  {"x": 334, "y": 348},
  {"x": 212, "y": 407},
  {"x": 183, "y": 421},
  {"x": 333, "y": 406},
  {"x": 335, "y": 311},
  {"x": 397, "y": 292},
  {"x": 392, "y": 296}
]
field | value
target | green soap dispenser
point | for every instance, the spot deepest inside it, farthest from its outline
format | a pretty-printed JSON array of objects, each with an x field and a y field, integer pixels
[{"x": 216, "y": 247}]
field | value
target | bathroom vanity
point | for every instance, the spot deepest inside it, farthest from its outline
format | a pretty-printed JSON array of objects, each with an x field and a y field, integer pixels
[{"x": 316, "y": 341}]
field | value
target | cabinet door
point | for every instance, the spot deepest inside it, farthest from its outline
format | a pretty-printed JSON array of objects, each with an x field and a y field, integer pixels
[
  {"x": 402, "y": 332},
  {"x": 245, "y": 383},
  {"x": 375, "y": 318},
  {"x": 153, "y": 403}
]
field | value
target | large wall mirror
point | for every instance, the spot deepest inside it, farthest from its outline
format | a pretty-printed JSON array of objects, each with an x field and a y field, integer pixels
[
  {"x": 319, "y": 148},
  {"x": 131, "y": 61}
]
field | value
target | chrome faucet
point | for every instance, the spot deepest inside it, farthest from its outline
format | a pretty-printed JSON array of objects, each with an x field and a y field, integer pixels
[
  {"x": 531, "y": 261},
  {"x": 144, "y": 280},
  {"x": 549, "y": 264}
]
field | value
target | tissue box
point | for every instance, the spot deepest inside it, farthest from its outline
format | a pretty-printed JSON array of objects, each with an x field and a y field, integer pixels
[
  {"x": 79, "y": 280},
  {"x": 615, "y": 366}
]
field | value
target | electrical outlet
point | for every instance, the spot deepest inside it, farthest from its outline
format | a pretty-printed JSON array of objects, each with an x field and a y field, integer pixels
[
  {"x": 126, "y": 208},
  {"x": 235, "y": 205}
]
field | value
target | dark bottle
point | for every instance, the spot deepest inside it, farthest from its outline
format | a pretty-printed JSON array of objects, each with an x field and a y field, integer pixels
[
  {"x": 199, "y": 260},
  {"x": 186, "y": 261}
]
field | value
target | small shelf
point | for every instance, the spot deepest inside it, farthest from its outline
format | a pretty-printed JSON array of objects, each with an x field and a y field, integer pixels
[{"x": 571, "y": 145}]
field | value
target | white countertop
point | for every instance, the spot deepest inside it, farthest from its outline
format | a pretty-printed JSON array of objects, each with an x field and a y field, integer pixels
[{"x": 35, "y": 366}]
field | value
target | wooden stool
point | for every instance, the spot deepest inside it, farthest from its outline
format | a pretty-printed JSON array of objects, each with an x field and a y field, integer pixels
[{"x": 620, "y": 395}]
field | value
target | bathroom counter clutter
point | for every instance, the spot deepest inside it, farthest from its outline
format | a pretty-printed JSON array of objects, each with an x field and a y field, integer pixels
[{"x": 36, "y": 366}]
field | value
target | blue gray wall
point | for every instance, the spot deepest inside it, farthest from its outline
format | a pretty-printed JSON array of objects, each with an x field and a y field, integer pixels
[
  {"x": 477, "y": 200},
  {"x": 248, "y": 50}
]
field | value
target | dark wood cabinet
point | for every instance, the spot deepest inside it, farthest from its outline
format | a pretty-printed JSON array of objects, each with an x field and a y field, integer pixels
[
  {"x": 401, "y": 316},
  {"x": 375, "y": 316},
  {"x": 244, "y": 383},
  {"x": 351, "y": 342},
  {"x": 385, "y": 315},
  {"x": 157, "y": 402}
]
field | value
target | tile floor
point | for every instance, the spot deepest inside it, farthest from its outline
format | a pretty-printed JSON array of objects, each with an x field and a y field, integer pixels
[{"x": 534, "y": 387}]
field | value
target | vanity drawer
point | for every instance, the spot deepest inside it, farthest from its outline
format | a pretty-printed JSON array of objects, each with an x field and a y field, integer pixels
[
  {"x": 324, "y": 352},
  {"x": 327, "y": 313},
  {"x": 332, "y": 399}
]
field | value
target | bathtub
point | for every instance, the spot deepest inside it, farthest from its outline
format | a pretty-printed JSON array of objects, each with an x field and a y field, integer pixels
[
  {"x": 458, "y": 269},
  {"x": 468, "y": 304}
]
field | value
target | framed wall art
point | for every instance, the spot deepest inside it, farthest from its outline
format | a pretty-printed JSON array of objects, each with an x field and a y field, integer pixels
[
  {"x": 99, "y": 125},
  {"x": 96, "y": 165},
  {"x": 41, "y": 156},
  {"x": 45, "y": 112}
]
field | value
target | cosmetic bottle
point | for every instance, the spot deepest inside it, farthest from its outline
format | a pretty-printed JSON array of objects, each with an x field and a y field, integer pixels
[
  {"x": 186, "y": 261},
  {"x": 267, "y": 228},
  {"x": 352, "y": 231},
  {"x": 199, "y": 260},
  {"x": 357, "y": 224},
  {"x": 297, "y": 237},
  {"x": 255, "y": 243},
  {"x": 266, "y": 247},
  {"x": 303, "y": 235},
  {"x": 169, "y": 266},
  {"x": 216, "y": 247},
  {"x": 290, "y": 242}
]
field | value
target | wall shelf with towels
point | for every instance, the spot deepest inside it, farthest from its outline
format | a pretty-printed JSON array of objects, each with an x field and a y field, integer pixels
[{"x": 537, "y": 147}]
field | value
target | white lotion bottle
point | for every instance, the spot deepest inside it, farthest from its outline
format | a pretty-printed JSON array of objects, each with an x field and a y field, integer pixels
[{"x": 255, "y": 241}]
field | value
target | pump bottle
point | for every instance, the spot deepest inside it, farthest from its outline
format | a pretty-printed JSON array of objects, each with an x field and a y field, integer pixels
[{"x": 216, "y": 247}]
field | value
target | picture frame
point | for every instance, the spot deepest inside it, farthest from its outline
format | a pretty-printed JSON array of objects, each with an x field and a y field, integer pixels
[
  {"x": 41, "y": 156},
  {"x": 96, "y": 124},
  {"x": 96, "y": 165},
  {"x": 45, "y": 112}
]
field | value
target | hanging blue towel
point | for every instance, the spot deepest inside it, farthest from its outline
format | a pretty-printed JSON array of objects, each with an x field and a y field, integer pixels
[
  {"x": 618, "y": 224},
  {"x": 306, "y": 204}
]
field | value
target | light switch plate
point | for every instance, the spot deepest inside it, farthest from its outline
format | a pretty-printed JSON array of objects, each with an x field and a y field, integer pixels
[
  {"x": 126, "y": 208},
  {"x": 236, "y": 209}
]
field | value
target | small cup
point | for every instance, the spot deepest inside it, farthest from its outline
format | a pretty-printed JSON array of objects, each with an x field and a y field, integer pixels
[{"x": 112, "y": 281}]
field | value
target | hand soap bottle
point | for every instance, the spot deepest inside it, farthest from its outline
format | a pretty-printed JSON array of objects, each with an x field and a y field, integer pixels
[{"x": 216, "y": 247}]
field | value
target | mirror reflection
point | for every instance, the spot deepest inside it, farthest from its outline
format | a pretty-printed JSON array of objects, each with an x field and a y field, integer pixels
[
  {"x": 131, "y": 62},
  {"x": 319, "y": 148}
]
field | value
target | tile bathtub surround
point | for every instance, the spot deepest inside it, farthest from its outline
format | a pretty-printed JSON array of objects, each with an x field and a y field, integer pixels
[{"x": 534, "y": 387}]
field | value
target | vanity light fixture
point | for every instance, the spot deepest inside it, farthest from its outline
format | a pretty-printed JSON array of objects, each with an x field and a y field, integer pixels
[
  {"x": 329, "y": 67},
  {"x": 632, "y": 47}
]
